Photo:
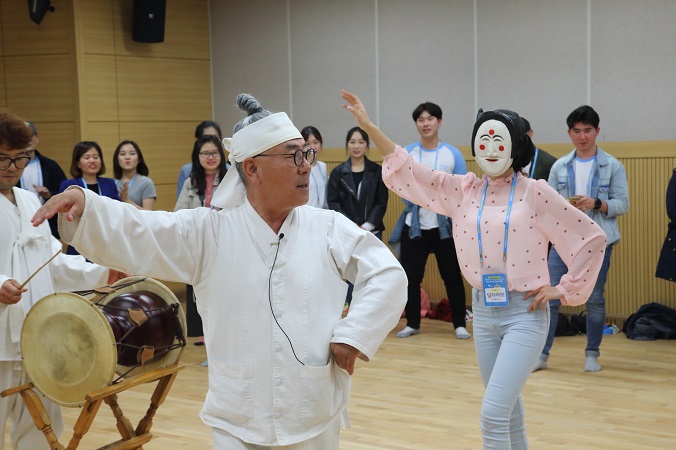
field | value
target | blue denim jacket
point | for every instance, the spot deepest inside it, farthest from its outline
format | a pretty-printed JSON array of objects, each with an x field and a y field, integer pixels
[
  {"x": 414, "y": 231},
  {"x": 445, "y": 224},
  {"x": 608, "y": 183}
]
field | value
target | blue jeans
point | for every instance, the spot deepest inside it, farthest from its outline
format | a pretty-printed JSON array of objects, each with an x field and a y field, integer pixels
[
  {"x": 508, "y": 341},
  {"x": 596, "y": 305}
]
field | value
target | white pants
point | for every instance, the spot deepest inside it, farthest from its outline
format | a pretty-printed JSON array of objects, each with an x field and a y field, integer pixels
[
  {"x": 328, "y": 440},
  {"x": 23, "y": 433}
]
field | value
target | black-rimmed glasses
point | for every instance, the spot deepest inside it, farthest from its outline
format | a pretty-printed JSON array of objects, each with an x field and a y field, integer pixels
[
  {"x": 298, "y": 156},
  {"x": 20, "y": 163}
]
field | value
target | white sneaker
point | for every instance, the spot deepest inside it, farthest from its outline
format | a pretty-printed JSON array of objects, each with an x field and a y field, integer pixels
[
  {"x": 462, "y": 333},
  {"x": 408, "y": 331}
]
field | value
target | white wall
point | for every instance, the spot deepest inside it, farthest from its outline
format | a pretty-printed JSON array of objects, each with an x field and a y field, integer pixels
[{"x": 540, "y": 58}]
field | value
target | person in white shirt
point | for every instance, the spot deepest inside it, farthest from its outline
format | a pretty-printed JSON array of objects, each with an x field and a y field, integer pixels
[
  {"x": 268, "y": 273},
  {"x": 319, "y": 175},
  {"x": 23, "y": 249}
]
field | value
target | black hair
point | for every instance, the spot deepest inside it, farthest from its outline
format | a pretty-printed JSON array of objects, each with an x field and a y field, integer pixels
[
  {"x": 141, "y": 168},
  {"x": 197, "y": 174},
  {"x": 522, "y": 147},
  {"x": 433, "y": 109},
  {"x": 363, "y": 133},
  {"x": 311, "y": 131},
  {"x": 526, "y": 124},
  {"x": 80, "y": 149},
  {"x": 199, "y": 131},
  {"x": 584, "y": 114}
]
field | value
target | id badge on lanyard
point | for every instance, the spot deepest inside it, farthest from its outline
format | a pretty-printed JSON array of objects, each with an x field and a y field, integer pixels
[
  {"x": 495, "y": 288},
  {"x": 494, "y": 280}
]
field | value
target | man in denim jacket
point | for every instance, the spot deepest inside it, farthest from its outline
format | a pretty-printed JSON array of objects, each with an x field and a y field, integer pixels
[{"x": 596, "y": 183}]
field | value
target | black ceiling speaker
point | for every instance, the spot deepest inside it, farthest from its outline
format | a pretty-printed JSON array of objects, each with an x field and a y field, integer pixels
[
  {"x": 148, "y": 25},
  {"x": 38, "y": 8}
]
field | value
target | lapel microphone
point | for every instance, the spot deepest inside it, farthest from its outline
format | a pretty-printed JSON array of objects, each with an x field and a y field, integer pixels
[{"x": 281, "y": 236}]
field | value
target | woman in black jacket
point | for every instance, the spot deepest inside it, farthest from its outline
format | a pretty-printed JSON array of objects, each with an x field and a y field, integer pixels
[{"x": 356, "y": 187}]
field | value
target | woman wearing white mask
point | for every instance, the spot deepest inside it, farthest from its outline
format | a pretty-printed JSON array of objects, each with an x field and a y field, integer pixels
[{"x": 502, "y": 223}]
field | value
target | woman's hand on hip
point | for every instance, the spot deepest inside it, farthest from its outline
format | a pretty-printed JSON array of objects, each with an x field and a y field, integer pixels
[{"x": 541, "y": 296}]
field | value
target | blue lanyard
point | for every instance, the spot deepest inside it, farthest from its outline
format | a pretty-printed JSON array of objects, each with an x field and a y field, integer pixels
[
  {"x": 436, "y": 157},
  {"x": 478, "y": 221},
  {"x": 535, "y": 161},
  {"x": 84, "y": 183},
  {"x": 319, "y": 169},
  {"x": 131, "y": 181}
]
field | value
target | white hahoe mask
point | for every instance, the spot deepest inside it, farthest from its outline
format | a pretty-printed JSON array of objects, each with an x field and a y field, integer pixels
[{"x": 493, "y": 148}]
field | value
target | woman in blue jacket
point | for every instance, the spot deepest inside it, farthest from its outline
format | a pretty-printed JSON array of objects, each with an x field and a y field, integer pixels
[{"x": 86, "y": 167}]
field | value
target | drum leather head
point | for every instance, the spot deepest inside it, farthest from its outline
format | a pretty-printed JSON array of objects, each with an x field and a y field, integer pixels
[
  {"x": 148, "y": 284},
  {"x": 68, "y": 348}
]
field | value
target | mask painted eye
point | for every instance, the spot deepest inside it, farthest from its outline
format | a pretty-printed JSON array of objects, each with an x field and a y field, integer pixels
[
  {"x": 482, "y": 147},
  {"x": 502, "y": 148}
]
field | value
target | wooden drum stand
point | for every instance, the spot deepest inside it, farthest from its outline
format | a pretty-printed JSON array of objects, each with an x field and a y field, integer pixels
[{"x": 131, "y": 438}]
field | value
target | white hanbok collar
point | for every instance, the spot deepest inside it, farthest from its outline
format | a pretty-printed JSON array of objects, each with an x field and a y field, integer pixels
[{"x": 265, "y": 239}]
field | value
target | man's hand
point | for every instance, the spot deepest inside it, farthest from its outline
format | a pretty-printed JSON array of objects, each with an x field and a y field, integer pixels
[
  {"x": 42, "y": 191},
  {"x": 10, "y": 292},
  {"x": 114, "y": 276},
  {"x": 71, "y": 202},
  {"x": 344, "y": 355},
  {"x": 541, "y": 296},
  {"x": 584, "y": 204}
]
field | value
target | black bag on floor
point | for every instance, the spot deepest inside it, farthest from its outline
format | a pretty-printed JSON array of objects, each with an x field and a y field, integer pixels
[
  {"x": 563, "y": 327},
  {"x": 579, "y": 322},
  {"x": 651, "y": 321}
]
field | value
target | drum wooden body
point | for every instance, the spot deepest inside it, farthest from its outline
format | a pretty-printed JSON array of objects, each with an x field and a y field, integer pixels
[{"x": 71, "y": 346}]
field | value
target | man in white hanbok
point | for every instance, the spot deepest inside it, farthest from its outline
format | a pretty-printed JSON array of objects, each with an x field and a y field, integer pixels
[
  {"x": 23, "y": 249},
  {"x": 269, "y": 279}
]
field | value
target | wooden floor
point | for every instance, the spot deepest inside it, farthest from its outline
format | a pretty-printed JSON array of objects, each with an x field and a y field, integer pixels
[{"x": 424, "y": 392}]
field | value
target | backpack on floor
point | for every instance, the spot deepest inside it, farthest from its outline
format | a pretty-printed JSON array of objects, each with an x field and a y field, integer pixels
[
  {"x": 651, "y": 321},
  {"x": 579, "y": 322},
  {"x": 442, "y": 311},
  {"x": 563, "y": 327}
]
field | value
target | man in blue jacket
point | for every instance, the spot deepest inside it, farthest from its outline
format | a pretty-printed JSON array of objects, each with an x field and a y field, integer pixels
[{"x": 596, "y": 183}]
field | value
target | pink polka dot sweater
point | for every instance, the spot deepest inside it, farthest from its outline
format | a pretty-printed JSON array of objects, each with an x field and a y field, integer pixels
[{"x": 539, "y": 215}]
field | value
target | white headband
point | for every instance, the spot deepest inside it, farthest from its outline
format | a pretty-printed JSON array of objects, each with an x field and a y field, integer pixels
[{"x": 250, "y": 141}]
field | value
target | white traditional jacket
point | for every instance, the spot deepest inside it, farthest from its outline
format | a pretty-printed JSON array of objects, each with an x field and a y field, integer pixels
[
  {"x": 250, "y": 296},
  {"x": 23, "y": 249}
]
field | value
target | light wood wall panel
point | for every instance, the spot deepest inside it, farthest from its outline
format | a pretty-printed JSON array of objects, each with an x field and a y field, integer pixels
[
  {"x": 166, "y": 147},
  {"x": 186, "y": 31},
  {"x": 166, "y": 196},
  {"x": 3, "y": 91},
  {"x": 53, "y": 36},
  {"x": 154, "y": 94},
  {"x": 57, "y": 140},
  {"x": 101, "y": 88},
  {"x": 96, "y": 20},
  {"x": 161, "y": 89},
  {"x": 41, "y": 88},
  {"x": 631, "y": 280},
  {"x": 107, "y": 135}
]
